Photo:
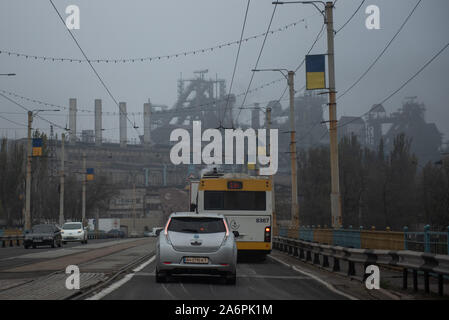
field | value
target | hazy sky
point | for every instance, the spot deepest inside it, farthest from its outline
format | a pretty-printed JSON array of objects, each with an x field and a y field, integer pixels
[{"x": 140, "y": 28}]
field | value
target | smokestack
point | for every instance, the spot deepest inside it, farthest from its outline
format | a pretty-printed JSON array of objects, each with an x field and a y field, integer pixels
[
  {"x": 255, "y": 117},
  {"x": 72, "y": 120},
  {"x": 147, "y": 124},
  {"x": 123, "y": 128},
  {"x": 98, "y": 127}
]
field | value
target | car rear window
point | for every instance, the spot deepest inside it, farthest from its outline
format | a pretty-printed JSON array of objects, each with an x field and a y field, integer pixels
[
  {"x": 196, "y": 225},
  {"x": 71, "y": 226}
]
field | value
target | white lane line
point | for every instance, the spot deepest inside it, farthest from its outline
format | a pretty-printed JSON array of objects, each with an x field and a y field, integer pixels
[
  {"x": 121, "y": 282},
  {"x": 326, "y": 284},
  {"x": 168, "y": 292}
]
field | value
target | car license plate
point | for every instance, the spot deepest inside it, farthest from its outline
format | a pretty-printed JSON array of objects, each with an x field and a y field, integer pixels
[
  {"x": 197, "y": 260},
  {"x": 37, "y": 240}
]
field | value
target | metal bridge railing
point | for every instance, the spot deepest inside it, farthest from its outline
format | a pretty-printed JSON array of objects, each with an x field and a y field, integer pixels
[{"x": 425, "y": 241}]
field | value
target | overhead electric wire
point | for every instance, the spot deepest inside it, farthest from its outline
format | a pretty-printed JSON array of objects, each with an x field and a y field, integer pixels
[
  {"x": 12, "y": 121},
  {"x": 257, "y": 61},
  {"x": 235, "y": 65},
  {"x": 92, "y": 67},
  {"x": 401, "y": 86},
  {"x": 382, "y": 52},
  {"x": 26, "y": 109},
  {"x": 352, "y": 16}
]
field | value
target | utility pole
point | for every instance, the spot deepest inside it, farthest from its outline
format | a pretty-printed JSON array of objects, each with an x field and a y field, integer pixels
[
  {"x": 61, "y": 183},
  {"x": 134, "y": 205},
  {"x": 84, "y": 190},
  {"x": 28, "y": 175},
  {"x": 294, "y": 175},
  {"x": 335, "y": 179}
]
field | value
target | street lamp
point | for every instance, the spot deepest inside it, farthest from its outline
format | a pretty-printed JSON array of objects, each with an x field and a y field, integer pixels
[
  {"x": 289, "y": 75},
  {"x": 327, "y": 13},
  {"x": 31, "y": 114}
]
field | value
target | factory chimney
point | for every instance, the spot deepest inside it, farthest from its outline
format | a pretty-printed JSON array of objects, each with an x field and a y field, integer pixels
[
  {"x": 98, "y": 128},
  {"x": 147, "y": 124},
  {"x": 72, "y": 120},
  {"x": 123, "y": 128},
  {"x": 255, "y": 117}
]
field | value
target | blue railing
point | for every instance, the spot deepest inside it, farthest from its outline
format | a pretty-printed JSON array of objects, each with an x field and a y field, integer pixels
[
  {"x": 346, "y": 238},
  {"x": 305, "y": 234},
  {"x": 425, "y": 241}
]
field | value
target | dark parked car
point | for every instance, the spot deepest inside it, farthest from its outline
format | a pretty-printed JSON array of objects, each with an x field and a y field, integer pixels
[
  {"x": 43, "y": 235},
  {"x": 116, "y": 233}
]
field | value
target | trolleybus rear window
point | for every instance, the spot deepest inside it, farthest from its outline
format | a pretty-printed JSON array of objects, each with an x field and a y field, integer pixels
[{"x": 235, "y": 200}]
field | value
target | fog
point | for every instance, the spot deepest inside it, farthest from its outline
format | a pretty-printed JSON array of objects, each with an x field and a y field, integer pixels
[{"x": 141, "y": 28}]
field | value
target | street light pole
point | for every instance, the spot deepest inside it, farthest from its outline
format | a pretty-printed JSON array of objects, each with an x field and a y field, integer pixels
[
  {"x": 294, "y": 175},
  {"x": 28, "y": 175},
  {"x": 61, "y": 184},
  {"x": 83, "y": 212},
  {"x": 335, "y": 179}
]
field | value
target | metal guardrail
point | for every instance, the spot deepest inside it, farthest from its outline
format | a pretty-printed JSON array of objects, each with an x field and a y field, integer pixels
[
  {"x": 418, "y": 262},
  {"x": 426, "y": 241}
]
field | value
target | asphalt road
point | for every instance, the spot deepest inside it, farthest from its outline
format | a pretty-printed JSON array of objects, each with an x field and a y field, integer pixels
[{"x": 267, "y": 280}]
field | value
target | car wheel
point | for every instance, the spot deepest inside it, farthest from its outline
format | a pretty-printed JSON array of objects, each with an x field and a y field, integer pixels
[
  {"x": 64, "y": 242},
  {"x": 231, "y": 279},
  {"x": 34, "y": 246},
  {"x": 161, "y": 277},
  {"x": 26, "y": 246}
]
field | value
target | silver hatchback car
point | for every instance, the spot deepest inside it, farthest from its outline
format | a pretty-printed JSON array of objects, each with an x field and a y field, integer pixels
[{"x": 196, "y": 243}]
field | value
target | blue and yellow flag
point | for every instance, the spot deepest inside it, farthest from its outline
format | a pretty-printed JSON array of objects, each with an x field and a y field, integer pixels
[
  {"x": 37, "y": 147},
  {"x": 315, "y": 72},
  {"x": 90, "y": 174}
]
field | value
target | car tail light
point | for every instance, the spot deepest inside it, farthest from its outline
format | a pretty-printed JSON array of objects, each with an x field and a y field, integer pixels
[
  {"x": 167, "y": 262},
  {"x": 224, "y": 264},
  {"x": 267, "y": 234}
]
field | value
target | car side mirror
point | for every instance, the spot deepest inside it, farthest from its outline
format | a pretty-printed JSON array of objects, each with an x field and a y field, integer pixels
[{"x": 236, "y": 234}]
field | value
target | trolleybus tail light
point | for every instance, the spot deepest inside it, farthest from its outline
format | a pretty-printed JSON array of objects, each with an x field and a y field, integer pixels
[{"x": 267, "y": 234}]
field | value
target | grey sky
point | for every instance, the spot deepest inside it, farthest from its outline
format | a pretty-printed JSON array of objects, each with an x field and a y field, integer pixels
[{"x": 135, "y": 28}]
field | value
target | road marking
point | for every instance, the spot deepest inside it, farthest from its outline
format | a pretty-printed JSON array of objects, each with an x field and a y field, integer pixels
[
  {"x": 121, "y": 282},
  {"x": 168, "y": 292},
  {"x": 326, "y": 284}
]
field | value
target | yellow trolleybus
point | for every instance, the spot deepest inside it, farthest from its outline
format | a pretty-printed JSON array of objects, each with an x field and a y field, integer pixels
[{"x": 246, "y": 201}]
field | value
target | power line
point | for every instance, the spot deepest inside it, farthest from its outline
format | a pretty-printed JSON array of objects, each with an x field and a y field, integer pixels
[
  {"x": 401, "y": 86},
  {"x": 382, "y": 52},
  {"x": 12, "y": 121},
  {"x": 92, "y": 67},
  {"x": 148, "y": 59},
  {"x": 235, "y": 64},
  {"x": 257, "y": 61},
  {"x": 26, "y": 109},
  {"x": 352, "y": 16}
]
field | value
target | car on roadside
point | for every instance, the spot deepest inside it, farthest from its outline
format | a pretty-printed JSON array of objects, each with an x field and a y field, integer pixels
[
  {"x": 196, "y": 243},
  {"x": 43, "y": 235},
  {"x": 73, "y": 232}
]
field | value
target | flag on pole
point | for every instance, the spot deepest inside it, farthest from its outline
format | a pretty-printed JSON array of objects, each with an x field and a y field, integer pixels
[
  {"x": 315, "y": 72},
  {"x": 37, "y": 147},
  {"x": 90, "y": 174}
]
